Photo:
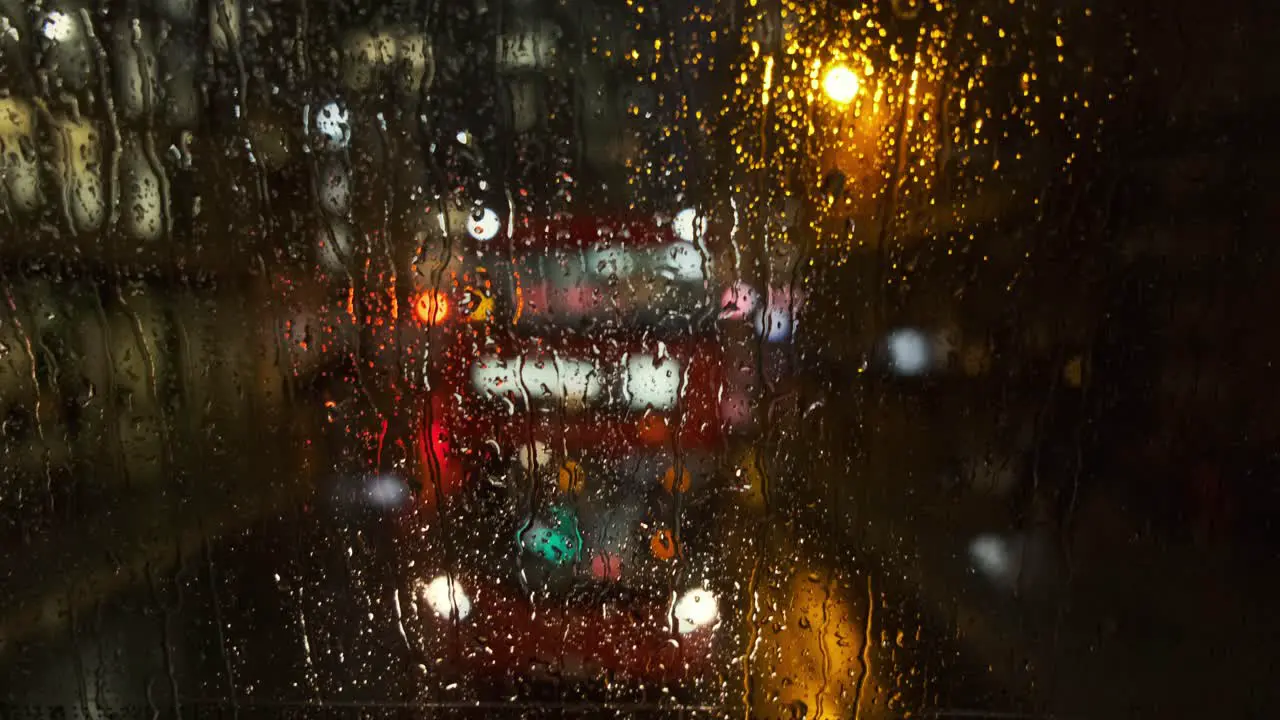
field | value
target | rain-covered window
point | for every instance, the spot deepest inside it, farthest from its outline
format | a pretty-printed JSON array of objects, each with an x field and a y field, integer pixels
[{"x": 716, "y": 358}]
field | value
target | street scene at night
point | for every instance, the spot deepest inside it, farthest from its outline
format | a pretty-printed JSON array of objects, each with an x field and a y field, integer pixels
[{"x": 631, "y": 358}]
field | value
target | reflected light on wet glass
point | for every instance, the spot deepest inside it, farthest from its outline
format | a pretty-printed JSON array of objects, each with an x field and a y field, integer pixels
[
  {"x": 687, "y": 225},
  {"x": 840, "y": 84},
  {"x": 484, "y": 225},
  {"x": 606, "y": 566},
  {"x": 58, "y": 26},
  {"x": 738, "y": 301},
  {"x": 998, "y": 558},
  {"x": 680, "y": 261},
  {"x": 776, "y": 322},
  {"x": 649, "y": 382},
  {"x": 387, "y": 492},
  {"x": 431, "y": 307},
  {"x": 569, "y": 379},
  {"x": 444, "y": 595},
  {"x": 695, "y": 609},
  {"x": 333, "y": 122},
  {"x": 909, "y": 352},
  {"x": 611, "y": 261},
  {"x": 532, "y": 456}
]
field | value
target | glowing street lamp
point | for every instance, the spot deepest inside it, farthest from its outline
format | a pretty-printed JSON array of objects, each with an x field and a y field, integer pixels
[{"x": 840, "y": 84}]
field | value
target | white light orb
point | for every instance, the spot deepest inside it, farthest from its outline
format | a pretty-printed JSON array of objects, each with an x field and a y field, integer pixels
[
  {"x": 688, "y": 225},
  {"x": 334, "y": 123},
  {"x": 444, "y": 595},
  {"x": 910, "y": 352},
  {"x": 484, "y": 226},
  {"x": 696, "y": 609}
]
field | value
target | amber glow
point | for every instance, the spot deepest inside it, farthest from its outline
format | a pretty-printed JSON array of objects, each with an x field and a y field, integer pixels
[
  {"x": 431, "y": 307},
  {"x": 571, "y": 478},
  {"x": 840, "y": 84},
  {"x": 670, "y": 484},
  {"x": 663, "y": 544}
]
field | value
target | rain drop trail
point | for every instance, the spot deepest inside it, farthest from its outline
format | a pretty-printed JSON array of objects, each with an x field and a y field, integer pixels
[
  {"x": 306, "y": 645},
  {"x": 864, "y": 656},
  {"x": 218, "y": 622},
  {"x": 400, "y": 619}
]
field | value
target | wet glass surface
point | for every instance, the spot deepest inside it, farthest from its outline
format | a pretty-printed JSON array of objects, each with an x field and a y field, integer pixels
[{"x": 567, "y": 357}]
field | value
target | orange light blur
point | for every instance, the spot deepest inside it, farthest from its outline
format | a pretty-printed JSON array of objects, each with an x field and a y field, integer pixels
[
  {"x": 519, "y": 299},
  {"x": 669, "y": 480},
  {"x": 431, "y": 307},
  {"x": 840, "y": 84},
  {"x": 663, "y": 544}
]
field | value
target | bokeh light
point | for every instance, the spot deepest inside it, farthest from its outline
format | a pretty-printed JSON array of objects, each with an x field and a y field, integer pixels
[
  {"x": 484, "y": 225},
  {"x": 840, "y": 84},
  {"x": 58, "y": 26},
  {"x": 333, "y": 122},
  {"x": 444, "y": 595},
  {"x": 695, "y": 609},
  {"x": 431, "y": 307},
  {"x": 909, "y": 352}
]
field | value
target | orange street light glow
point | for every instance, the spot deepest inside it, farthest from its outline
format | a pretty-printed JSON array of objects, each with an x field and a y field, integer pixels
[
  {"x": 840, "y": 84},
  {"x": 431, "y": 307}
]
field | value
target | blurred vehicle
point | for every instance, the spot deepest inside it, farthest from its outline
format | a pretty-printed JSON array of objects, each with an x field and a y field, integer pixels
[{"x": 574, "y": 417}]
